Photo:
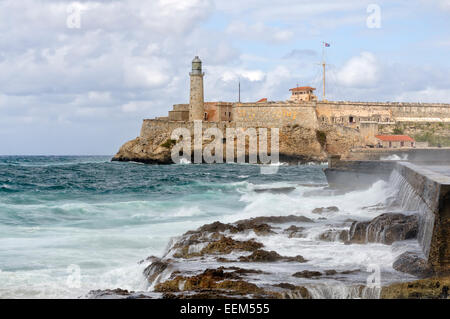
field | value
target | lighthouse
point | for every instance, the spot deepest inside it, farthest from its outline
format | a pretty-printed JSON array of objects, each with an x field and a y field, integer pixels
[{"x": 196, "y": 102}]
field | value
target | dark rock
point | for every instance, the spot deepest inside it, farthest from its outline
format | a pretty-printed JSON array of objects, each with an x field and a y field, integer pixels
[
  {"x": 348, "y": 272},
  {"x": 300, "y": 291},
  {"x": 279, "y": 219},
  {"x": 413, "y": 264},
  {"x": 285, "y": 285},
  {"x": 155, "y": 269},
  {"x": 297, "y": 258},
  {"x": 321, "y": 210},
  {"x": 210, "y": 279},
  {"x": 242, "y": 271},
  {"x": 224, "y": 245},
  {"x": 334, "y": 235},
  {"x": 307, "y": 274},
  {"x": 358, "y": 232},
  {"x": 214, "y": 227},
  {"x": 261, "y": 255},
  {"x": 260, "y": 229},
  {"x": 429, "y": 288},
  {"x": 279, "y": 190},
  {"x": 295, "y": 231},
  {"x": 116, "y": 294},
  {"x": 385, "y": 229},
  {"x": 331, "y": 272}
]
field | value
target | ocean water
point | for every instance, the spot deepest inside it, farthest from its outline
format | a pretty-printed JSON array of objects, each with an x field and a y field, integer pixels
[{"x": 71, "y": 224}]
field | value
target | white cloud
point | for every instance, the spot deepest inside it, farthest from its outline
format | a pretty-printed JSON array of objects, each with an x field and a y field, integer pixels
[
  {"x": 428, "y": 94},
  {"x": 130, "y": 59},
  {"x": 360, "y": 71},
  {"x": 259, "y": 31}
]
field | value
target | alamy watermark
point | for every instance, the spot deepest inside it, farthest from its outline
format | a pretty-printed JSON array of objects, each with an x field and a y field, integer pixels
[
  {"x": 374, "y": 19},
  {"x": 237, "y": 150},
  {"x": 74, "y": 11},
  {"x": 374, "y": 279},
  {"x": 73, "y": 279}
]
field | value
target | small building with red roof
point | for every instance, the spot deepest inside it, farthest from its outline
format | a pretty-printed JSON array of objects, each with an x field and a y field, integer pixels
[
  {"x": 395, "y": 141},
  {"x": 303, "y": 94}
]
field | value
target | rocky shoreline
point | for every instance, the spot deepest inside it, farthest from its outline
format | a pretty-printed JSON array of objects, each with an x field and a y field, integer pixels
[
  {"x": 296, "y": 144},
  {"x": 236, "y": 260}
]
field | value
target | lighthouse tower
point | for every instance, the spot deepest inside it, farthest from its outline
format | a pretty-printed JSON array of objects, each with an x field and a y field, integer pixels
[{"x": 196, "y": 102}]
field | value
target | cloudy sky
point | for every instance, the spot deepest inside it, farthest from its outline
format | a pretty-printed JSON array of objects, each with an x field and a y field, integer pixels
[{"x": 70, "y": 86}]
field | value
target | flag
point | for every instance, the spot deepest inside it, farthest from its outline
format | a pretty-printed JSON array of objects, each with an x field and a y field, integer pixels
[{"x": 327, "y": 45}]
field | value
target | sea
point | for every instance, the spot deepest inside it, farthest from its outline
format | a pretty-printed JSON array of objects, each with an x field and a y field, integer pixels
[{"x": 72, "y": 224}]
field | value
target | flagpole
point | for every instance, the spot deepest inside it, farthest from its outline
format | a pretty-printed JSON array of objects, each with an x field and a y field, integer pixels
[{"x": 324, "y": 71}]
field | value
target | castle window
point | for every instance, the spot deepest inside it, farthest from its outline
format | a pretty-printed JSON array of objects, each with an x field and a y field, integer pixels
[{"x": 351, "y": 119}]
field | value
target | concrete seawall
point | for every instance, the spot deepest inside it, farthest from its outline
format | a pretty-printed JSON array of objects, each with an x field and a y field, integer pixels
[
  {"x": 431, "y": 184},
  {"x": 422, "y": 187}
]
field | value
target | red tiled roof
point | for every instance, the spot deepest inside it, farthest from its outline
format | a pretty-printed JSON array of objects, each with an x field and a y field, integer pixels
[
  {"x": 262, "y": 100},
  {"x": 302, "y": 88},
  {"x": 395, "y": 138}
]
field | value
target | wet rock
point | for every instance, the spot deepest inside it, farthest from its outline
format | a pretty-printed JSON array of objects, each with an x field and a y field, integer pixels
[
  {"x": 307, "y": 274},
  {"x": 279, "y": 190},
  {"x": 225, "y": 260},
  {"x": 344, "y": 235},
  {"x": 385, "y": 229},
  {"x": 280, "y": 219},
  {"x": 116, "y": 294},
  {"x": 285, "y": 285},
  {"x": 210, "y": 281},
  {"x": 321, "y": 210},
  {"x": 242, "y": 271},
  {"x": 214, "y": 228},
  {"x": 348, "y": 272},
  {"x": 261, "y": 255},
  {"x": 155, "y": 269},
  {"x": 334, "y": 235},
  {"x": 225, "y": 245},
  {"x": 260, "y": 229},
  {"x": 431, "y": 288},
  {"x": 358, "y": 232},
  {"x": 295, "y": 232},
  {"x": 330, "y": 272},
  {"x": 296, "y": 292},
  {"x": 413, "y": 264},
  {"x": 297, "y": 258},
  {"x": 205, "y": 280}
]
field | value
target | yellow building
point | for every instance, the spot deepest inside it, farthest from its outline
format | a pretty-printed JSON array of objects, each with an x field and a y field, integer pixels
[{"x": 303, "y": 94}]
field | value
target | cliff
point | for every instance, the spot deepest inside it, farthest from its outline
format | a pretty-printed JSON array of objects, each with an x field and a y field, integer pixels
[{"x": 297, "y": 144}]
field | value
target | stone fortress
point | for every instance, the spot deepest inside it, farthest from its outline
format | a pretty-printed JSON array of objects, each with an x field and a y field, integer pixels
[{"x": 322, "y": 127}]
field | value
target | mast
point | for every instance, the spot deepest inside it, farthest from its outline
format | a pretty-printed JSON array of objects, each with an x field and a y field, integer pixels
[
  {"x": 324, "y": 73},
  {"x": 239, "y": 90}
]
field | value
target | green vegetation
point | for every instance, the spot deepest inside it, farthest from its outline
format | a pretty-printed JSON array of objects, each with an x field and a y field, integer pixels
[
  {"x": 398, "y": 131},
  {"x": 169, "y": 143},
  {"x": 433, "y": 140},
  {"x": 321, "y": 138}
]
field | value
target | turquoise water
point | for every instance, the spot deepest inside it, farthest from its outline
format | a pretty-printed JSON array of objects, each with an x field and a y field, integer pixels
[{"x": 102, "y": 217}]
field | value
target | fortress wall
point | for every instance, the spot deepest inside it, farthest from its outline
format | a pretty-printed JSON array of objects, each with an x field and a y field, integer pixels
[
  {"x": 382, "y": 112},
  {"x": 152, "y": 127},
  {"x": 275, "y": 114}
]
